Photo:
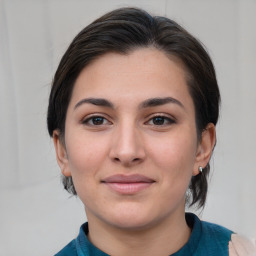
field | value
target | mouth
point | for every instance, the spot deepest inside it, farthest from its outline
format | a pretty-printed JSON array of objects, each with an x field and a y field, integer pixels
[{"x": 128, "y": 184}]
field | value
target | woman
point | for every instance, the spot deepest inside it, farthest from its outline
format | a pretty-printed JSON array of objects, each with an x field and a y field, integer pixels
[{"x": 132, "y": 113}]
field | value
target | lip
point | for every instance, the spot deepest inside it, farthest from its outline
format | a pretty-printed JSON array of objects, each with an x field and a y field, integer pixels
[{"x": 128, "y": 184}]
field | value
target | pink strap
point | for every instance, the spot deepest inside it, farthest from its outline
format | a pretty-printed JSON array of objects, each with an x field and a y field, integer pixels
[{"x": 241, "y": 246}]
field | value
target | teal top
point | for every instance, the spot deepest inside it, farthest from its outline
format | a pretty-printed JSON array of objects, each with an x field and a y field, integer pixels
[{"x": 205, "y": 239}]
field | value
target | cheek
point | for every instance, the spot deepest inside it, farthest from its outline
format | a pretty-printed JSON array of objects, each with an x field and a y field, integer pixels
[
  {"x": 85, "y": 154},
  {"x": 175, "y": 155},
  {"x": 175, "y": 160},
  {"x": 174, "y": 152}
]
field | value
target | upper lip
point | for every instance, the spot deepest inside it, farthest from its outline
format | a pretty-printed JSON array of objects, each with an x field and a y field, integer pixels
[{"x": 134, "y": 178}]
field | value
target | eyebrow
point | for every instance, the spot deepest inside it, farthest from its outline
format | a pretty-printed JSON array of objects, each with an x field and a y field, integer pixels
[
  {"x": 159, "y": 102},
  {"x": 152, "y": 102},
  {"x": 95, "y": 101}
]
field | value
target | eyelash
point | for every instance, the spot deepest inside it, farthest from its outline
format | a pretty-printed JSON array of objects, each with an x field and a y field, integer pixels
[
  {"x": 164, "y": 119},
  {"x": 87, "y": 120}
]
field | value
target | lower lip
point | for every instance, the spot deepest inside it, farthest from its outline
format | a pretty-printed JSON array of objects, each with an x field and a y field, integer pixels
[{"x": 129, "y": 188}]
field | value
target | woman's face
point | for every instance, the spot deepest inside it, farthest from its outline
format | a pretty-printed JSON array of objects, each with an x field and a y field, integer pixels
[{"x": 130, "y": 139}]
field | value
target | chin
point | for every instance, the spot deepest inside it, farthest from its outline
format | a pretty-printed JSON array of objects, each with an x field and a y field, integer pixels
[
  {"x": 132, "y": 224},
  {"x": 132, "y": 220}
]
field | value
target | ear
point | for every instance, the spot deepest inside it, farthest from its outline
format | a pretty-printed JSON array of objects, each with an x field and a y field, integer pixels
[
  {"x": 61, "y": 154},
  {"x": 205, "y": 148}
]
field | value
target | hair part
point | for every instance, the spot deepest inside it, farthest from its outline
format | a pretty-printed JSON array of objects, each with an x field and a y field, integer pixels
[{"x": 123, "y": 31}]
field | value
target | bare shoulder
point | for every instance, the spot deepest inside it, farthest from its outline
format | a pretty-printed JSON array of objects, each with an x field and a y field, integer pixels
[{"x": 241, "y": 246}]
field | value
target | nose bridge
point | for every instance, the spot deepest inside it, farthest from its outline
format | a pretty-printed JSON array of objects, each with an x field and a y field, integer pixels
[{"x": 127, "y": 146}]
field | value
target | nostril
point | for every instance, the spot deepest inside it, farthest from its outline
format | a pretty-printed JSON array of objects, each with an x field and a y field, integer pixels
[{"x": 116, "y": 159}]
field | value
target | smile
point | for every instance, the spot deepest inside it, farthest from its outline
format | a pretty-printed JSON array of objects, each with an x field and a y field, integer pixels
[{"x": 128, "y": 184}]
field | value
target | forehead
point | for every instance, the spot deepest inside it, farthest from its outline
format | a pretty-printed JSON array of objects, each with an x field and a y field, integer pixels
[{"x": 143, "y": 73}]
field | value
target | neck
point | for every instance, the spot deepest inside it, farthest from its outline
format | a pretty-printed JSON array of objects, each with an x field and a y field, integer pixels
[{"x": 163, "y": 238}]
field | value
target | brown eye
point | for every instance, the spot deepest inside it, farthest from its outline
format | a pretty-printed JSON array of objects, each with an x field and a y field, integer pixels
[
  {"x": 158, "y": 120},
  {"x": 161, "y": 120},
  {"x": 96, "y": 121}
]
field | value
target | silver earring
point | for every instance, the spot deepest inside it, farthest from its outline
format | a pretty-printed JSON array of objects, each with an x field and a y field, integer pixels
[{"x": 200, "y": 168}]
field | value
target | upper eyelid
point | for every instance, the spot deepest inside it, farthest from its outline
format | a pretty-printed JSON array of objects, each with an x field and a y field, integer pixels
[
  {"x": 171, "y": 120},
  {"x": 103, "y": 115},
  {"x": 90, "y": 117},
  {"x": 168, "y": 116}
]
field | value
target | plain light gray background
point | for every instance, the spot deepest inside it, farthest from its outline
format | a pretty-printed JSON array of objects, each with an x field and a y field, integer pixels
[{"x": 37, "y": 217}]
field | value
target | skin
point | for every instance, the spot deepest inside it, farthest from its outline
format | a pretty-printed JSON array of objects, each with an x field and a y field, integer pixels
[{"x": 128, "y": 139}]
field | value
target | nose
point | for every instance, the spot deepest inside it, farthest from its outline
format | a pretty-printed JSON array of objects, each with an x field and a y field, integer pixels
[{"x": 127, "y": 145}]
